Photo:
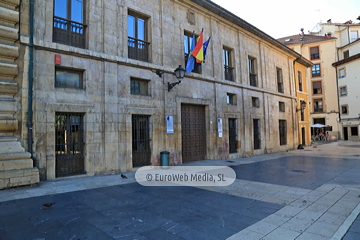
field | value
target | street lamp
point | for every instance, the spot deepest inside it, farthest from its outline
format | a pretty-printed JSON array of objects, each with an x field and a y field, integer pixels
[
  {"x": 302, "y": 106},
  {"x": 179, "y": 73}
]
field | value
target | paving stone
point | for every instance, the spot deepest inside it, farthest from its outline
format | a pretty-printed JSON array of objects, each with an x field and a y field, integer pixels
[
  {"x": 262, "y": 227},
  {"x": 323, "y": 229},
  {"x": 217, "y": 231},
  {"x": 191, "y": 234},
  {"x": 281, "y": 234},
  {"x": 298, "y": 225},
  {"x": 246, "y": 234},
  {"x": 355, "y": 227},
  {"x": 312, "y": 236},
  {"x": 309, "y": 216},
  {"x": 159, "y": 233},
  {"x": 332, "y": 218}
]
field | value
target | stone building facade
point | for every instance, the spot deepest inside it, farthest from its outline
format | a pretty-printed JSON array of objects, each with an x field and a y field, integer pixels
[
  {"x": 100, "y": 106},
  {"x": 16, "y": 165}
]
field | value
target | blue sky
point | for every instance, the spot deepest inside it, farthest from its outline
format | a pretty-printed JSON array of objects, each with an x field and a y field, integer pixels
[{"x": 281, "y": 18}]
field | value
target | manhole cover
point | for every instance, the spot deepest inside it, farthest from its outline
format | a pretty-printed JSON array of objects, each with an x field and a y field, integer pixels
[
  {"x": 299, "y": 171},
  {"x": 230, "y": 161}
]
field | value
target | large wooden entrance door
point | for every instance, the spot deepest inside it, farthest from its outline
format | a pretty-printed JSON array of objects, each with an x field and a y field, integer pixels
[{"x": 193, "y": 132}]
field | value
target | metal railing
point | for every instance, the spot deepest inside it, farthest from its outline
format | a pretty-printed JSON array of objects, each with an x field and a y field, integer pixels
[
  {"x": 138, "y": 49},
  {"x": 69, "y": 32},
  {"x": 229, "y": 73},
  {"x": 253, "y": 79},
  {"x": 318, "y": 109}
]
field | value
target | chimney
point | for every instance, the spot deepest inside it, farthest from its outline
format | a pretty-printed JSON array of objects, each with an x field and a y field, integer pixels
[
  {"x": 329, "y": 34},
  {"x": 329, "y": 21},
  {"x": 302, "y": 31}
]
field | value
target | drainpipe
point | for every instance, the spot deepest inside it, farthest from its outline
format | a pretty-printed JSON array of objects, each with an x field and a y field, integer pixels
[{"x": 31, "y": 80}]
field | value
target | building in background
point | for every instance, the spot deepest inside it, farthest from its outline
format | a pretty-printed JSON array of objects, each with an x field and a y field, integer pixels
[
  {"x": 303, "y": 100},
  {"x": 105, "y": 98},
  {"x": 321, "y": 51},
  {"x": 349, "y": 89}
]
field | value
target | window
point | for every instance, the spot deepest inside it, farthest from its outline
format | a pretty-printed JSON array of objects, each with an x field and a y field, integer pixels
[
  {"x": 353, "y": 36},
  {"x": 139, "y": 86},
  {"x": 282, "y": 132},
  {"x": 255, "y": 102},
  {"x": 354, "y": 131},
  {"x": 279, "y": 77},
  {"x": 188, "y": 37},
  {"x": 317, "y": 89},
  {"x": 69, "y": 27},
  {"x": 318, "y": 107},
  {"x": 345, "y": 109},
  {"x": 315, "y": 70},
  {"x": 68, "y": 78},
  {"x": 342, "y": 73},
  {"x": 138, "y": 47},
  {"x": 256, "y": 132},
  {"x": 343, "y": 91},
  {"x": 252, "y": 72},
  {"x": 300, "y": 81},
  {"x": 346, "y": 54},
  {"x": 229, "y": 71},
  {"x": 314, "y": 53},
  {"x": 231, "y": 99},
  {"x": 281, "y": 106},
  {"x": 302, "y": 116}
]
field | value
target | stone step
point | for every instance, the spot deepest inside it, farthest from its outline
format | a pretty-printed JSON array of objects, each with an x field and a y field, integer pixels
[
  {"x": 8, "y": 86},
  {"x": 9, "y": 15},
  {"x": 19, "y": 177},
  {"x": 14, "y": 156},
  {"x": 9, "y": 50},
  {"x": 10, "y": 147},
  {"x": 8, "y": 69},
  {"x": 8, "y": 139},
  {"x": 6, "y": 165},
  {"x": 7, "y": 32}
]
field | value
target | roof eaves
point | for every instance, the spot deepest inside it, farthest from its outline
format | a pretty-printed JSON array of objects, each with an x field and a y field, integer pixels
[
  {"x": 346, "y": 60},
  {"x": 222, "y": 12}
]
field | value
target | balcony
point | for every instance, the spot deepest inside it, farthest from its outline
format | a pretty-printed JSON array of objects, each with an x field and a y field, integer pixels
[
  {"x": 229, "y": 73},
  {"x": 253, "y": 79},
  {"x": 318, "y": 109},
  {"x": 69, "y": 32},
  {"x": 138, "y": 49}
]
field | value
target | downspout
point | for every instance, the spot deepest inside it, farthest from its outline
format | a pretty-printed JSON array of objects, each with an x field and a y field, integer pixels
[{"x": 31, "y": 80}]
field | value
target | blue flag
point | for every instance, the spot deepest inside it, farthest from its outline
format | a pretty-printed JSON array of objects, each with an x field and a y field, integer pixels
[
  {"x": 191, "y": 60},
  {"x": 205, "y": 47}
]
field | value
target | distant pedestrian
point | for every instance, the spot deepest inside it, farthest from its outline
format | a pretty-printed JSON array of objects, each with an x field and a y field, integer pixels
[{"x": 327, "y": 136}]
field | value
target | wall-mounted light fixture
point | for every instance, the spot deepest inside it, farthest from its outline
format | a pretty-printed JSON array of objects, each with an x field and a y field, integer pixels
[
  {"x": 178, "y": 72},
  {"x": 302, "y": 106}
]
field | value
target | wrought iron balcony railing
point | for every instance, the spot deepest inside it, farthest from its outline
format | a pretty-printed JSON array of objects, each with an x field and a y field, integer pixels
[
  {"x": 229, "y": 73},
  {"x": 69, "y": 32},
  {"x": 138, "y": 49}
]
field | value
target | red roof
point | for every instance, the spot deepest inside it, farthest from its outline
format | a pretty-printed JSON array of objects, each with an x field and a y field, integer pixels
[{"x": 304, "y": 39}]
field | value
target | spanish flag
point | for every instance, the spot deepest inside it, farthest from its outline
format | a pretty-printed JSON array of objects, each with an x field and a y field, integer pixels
[{"x": 198, "y": 51}]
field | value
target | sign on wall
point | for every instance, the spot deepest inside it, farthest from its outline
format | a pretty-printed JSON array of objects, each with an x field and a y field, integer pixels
[
  {"x": 169, "y": 124},
  {"x": 220, "y": 128}
]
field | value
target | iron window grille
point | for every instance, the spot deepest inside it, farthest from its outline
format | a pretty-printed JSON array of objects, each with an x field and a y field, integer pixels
[
  {"x": 232, "y": 136},
  {"x": 69, "y": 144},
  {"x": 256, "y": 132},
  {"x": 282, "y": 132},
  {"x": 354, "y": 131},
  {"x": 141, "y": 151}
]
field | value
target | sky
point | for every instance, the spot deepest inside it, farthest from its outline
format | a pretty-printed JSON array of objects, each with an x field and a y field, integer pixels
[{"x": 281, "y": 18}]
